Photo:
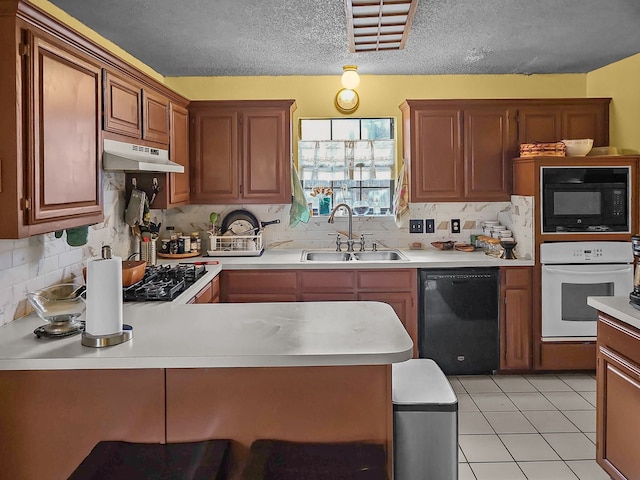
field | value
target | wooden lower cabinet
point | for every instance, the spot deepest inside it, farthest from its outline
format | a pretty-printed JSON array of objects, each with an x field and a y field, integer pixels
[
  {"x": 618, "y": 398},
  {"x": 210, "y": 293},
  {"x": 515, "y": 319},
  {"x": 305, "y": 404},
  {"x": 396, "y": 287},
  {"x": 50, "y": 420}
]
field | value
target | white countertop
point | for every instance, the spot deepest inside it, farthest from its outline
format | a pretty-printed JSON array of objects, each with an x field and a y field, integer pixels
[
  {"x": 173, "y": 335},
  {"x": 617, "y": 307},
  {"x": 280, "y": 258},
  {"x": 176, "y": 335}
]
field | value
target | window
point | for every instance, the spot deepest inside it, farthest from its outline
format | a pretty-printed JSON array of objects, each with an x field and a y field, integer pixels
[{"x": 354, "y": 157}]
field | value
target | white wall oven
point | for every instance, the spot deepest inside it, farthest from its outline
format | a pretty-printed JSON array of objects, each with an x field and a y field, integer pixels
[
  {"x": 586, "y": 199},
  {"x": 573, "y": 271}
]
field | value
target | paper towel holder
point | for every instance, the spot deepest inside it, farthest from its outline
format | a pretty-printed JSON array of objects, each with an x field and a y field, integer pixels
[{"x": 98, "y": 341}]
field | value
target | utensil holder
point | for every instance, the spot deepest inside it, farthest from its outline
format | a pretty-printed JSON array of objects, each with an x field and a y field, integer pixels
[{"x": 148, "y": 252}]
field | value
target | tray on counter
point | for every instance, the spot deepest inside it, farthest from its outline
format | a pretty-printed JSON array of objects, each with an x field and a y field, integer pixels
[{"x": 178, "y": 255}]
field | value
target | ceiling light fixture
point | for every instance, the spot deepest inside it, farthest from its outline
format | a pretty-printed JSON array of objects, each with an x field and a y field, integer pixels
[{"x": 379, "y": 24}]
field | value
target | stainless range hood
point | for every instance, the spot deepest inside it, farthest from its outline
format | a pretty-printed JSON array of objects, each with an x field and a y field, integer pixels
[{"x": 128, "y": 157}]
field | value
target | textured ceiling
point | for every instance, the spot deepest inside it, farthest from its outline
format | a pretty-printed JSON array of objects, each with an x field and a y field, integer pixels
[{"x": 309, "y": 37}]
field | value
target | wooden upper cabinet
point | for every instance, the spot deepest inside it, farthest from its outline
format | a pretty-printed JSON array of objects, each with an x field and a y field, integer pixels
[
  {"x": 458, "y": 153},
  {"x": 214, "y": 158},
  {"x": 155, "y": 117},
  {"x": 539, "y": 125},
  {"x": 241, "y": 151},
  {"x": 179, "y": 153},
  {"x": 266, "y": 155},
  {"x": 489, "y": 135},
  {"x": 134, "y": 111},
  {"x": 436, "y": 166},
  {"x": 462, "y": 150},
  {"x": 122, "y": 100},
  {"x": 555, "y": 120},
  {"x": 587, "y": 121},
  {"x": 64, "y": 186}
]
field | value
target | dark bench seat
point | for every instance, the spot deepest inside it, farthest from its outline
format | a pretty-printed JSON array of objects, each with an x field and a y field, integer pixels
[{"x": 175, "y": 461}]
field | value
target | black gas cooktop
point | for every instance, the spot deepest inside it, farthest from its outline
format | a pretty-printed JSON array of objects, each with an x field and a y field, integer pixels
[{"x": 164, "y": 283}]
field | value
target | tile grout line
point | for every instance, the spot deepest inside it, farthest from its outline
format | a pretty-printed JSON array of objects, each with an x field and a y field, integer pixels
[{"x": 501, "y": 390}]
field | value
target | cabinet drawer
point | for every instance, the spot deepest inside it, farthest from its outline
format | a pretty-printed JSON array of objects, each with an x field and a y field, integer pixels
[
  {"x": 387, "y": 280},
  {"x": 517, "y": 277},
  {"x": 328, "y": 297},
  {"x": 259, "y": 281},
  {"x": 342, "y": 281},
  {"x": 618, "y": 337}
]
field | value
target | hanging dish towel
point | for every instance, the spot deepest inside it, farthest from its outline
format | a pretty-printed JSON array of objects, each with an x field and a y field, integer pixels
[
  {"x": 401, "y": 196},
  {"x": 299, "y": 210}
]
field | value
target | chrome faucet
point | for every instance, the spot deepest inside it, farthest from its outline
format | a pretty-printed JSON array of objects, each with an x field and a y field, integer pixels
[{"x": 349, "y": 241}]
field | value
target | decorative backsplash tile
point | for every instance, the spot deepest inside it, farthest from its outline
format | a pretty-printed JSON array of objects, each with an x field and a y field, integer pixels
[{"x": 36, "y": 262}]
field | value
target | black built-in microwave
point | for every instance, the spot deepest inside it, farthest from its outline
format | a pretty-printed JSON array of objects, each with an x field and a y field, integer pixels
[{"x": 585, "y": 199}]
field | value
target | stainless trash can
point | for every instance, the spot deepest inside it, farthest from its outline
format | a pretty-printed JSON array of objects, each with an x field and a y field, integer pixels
[{"x": 425, "y": 422}]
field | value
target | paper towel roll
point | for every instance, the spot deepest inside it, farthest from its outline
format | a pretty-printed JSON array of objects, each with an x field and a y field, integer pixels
[{"x": 104, "y": 296}]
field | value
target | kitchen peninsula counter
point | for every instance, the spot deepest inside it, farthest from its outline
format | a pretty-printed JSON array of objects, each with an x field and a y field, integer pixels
[
  {"x": 318, "y": 371},
  {"x": 170, "y": 335}
]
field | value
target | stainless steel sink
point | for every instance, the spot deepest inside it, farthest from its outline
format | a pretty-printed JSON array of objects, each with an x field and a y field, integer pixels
[
  {"x": 371, "y": 256},
  {"x": 380, "y": 256},
  {"x": 311, "y": 256}
]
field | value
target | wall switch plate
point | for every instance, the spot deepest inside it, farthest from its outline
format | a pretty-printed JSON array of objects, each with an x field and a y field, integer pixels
[
  {"x": 429, "y": 225},
  {"x": 416, "y": 226},
  {"x": 455, "y": 225}
]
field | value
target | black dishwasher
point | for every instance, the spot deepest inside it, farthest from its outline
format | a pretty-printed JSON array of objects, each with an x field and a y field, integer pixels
[{"x": 459, "y": 319}]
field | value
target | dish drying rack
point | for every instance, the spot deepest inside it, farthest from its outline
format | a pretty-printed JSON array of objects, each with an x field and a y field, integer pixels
[{"x": 235, "y": 245}]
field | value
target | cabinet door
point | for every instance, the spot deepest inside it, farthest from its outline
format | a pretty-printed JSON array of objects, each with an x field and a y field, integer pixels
[
  {"x": 214, "y": 171},
  {"x": 266, "y": 156},
  {"x": 155, "y": 117},
  {"x": 215, "y": 295},
  {"x": 539, "y": 124},
  {"x": 64, "y": 177},
  {"x": 589, "y": 121},
  {"x": 618, "y": 428},
  {"x": 205, "y": 295},
  {"x": 436, "y": 156},
  {"x": 179, "y": 153},
  {"x": 122, "y": 105},
  {"x": 515, "y": 329},
  {"x": 488, "y": 150},
  {"x": 258, "y": 286},
  {"x": 327, "y": 281},
  {"x": 404, "y": 305}
]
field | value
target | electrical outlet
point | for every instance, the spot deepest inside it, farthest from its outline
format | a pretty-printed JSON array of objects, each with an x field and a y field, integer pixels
[
  {"x": 416, "y": 226},
  {"x": 429, "y": 225},
  {"x": 455, "y": 225}
]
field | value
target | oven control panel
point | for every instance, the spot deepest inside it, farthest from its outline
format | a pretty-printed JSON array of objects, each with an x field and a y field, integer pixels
[{"x": 586, "y": 252}]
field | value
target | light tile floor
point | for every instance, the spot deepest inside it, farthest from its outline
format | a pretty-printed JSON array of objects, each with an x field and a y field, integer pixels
[{"x": 531, "y": 427}]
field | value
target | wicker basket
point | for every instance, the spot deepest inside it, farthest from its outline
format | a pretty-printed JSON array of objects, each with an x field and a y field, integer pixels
[{"x": 555, "y": 149}]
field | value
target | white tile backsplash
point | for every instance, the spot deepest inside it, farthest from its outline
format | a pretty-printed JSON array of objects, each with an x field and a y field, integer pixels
[
  {"x": 32, "y": 263},
  {"x": 36, "y": 262},
  {"x": 318, "y": 233}
]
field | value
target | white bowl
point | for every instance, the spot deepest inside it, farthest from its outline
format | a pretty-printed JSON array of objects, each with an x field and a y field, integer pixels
[{"x": 578, "y": 148}]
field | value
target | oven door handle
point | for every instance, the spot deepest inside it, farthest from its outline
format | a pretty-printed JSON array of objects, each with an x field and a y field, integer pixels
[{"x": 585, "y": 272}]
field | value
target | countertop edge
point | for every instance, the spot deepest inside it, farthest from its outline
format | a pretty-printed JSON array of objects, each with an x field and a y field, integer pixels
[{"x": 616, "y": 307}]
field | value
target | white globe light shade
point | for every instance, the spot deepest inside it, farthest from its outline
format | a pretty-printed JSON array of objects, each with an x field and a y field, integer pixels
[{"x": 350, "y": 78}]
